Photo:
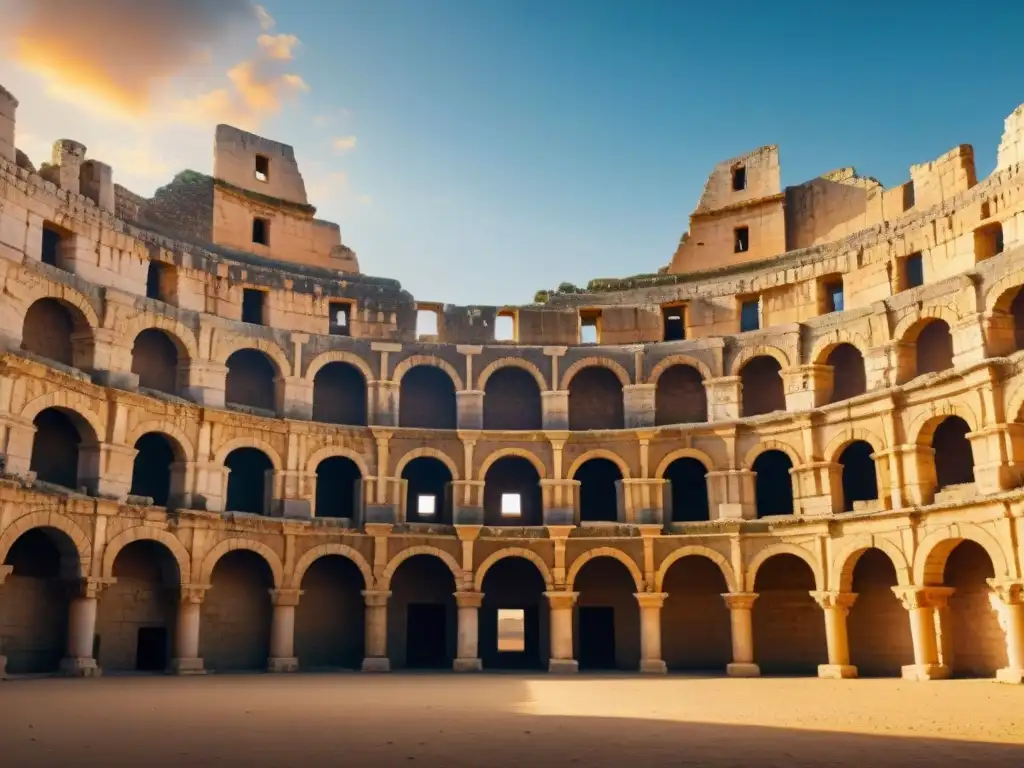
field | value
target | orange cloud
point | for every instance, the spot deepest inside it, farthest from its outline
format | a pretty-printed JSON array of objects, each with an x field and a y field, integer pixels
[{"x": 345, "y": 143}]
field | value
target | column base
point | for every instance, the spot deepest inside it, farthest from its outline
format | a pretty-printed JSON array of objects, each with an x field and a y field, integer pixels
[
  {"x": 79, "y": 667},
  {"x": 836, "y": 671},
  {"x": 1013, "y": 675},
  {"x": 186, "y": 667},
  {"x": 919, "y": 672},
  {"x": 742, "y": 669},
  {"x": 376, "y": 664},
  {"x": 467, "y": 665},
  {"x": 563, "y": 666},
  {"x": 653, "y": 667},
  {"x": 283, "y": 664}
]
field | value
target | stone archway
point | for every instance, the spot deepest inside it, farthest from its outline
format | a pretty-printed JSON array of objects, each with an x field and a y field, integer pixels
[
  {"x": 789, "y": 627},
  {"x": 330, "y": 618},
  {"x": 695, "y": 629},
  {"x": 878, "y": 625},
  {"x": 422, "y": 615},
  {"x": 976, "y": 644},
  {"x": 513, "y": 603},
  {"x": 234, "y": 632},
  {"x": 607, "y": 632}
]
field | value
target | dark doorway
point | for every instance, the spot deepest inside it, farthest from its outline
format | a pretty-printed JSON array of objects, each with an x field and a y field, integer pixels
[
  {"x": 426, "y": 636},
  {"x": 151, "y": 649},
  {"x": 597, "y": 637}
]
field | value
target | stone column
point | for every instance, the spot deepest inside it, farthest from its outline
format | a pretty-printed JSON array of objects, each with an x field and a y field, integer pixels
[
  {"x": 919, "y": 603},
  {"x": 555, "y": 409},
  {"x": 376, "y": 659},
  {"x": 741, "y": 606},
  {"x": 186, "y": 659},
  {"x": 282, "y": 631},
  {"x": 1011, "y": 597},
  {"x": 650, "y": 631},
  {"x": 836, "y": 606},
  {"x": 562, "y": 659},
  {"x": 638, "y": 405},
  {"x": 467, "y": 657},
  {"x": 5, "y": 571},
  {"x": 79, "y": 661},
  {"x": 469, "y": 405}
]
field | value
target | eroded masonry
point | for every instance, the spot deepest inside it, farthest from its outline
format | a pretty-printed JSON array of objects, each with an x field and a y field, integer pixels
[{"x": 798, "y": 448}]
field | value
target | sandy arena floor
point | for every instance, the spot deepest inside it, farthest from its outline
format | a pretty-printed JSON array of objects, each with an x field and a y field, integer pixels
[{"x": 499, "y": 720}]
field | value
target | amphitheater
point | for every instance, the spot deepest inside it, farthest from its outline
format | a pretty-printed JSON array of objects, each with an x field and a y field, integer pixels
[{"x": 798, "y": 448}]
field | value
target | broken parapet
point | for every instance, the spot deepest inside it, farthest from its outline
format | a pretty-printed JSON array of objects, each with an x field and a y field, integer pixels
[
  {"x": 65, "y": 166},
  {"x": 96, "y": 181},
  {"x": 1011, "y": 148},
  {"x": 8, "y": 106}
]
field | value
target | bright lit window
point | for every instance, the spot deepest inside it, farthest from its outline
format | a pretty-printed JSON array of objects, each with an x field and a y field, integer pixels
[
  {"x": 510, "y": 504},
  {"x": 425, "y": 504},
  {"x": 511, "y": 630}
]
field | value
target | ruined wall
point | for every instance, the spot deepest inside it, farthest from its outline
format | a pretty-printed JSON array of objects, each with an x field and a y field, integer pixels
[{"x": 234, "y": 161}]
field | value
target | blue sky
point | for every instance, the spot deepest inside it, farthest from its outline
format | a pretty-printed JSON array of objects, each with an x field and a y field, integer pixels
[{"x": 478, "y": 150}]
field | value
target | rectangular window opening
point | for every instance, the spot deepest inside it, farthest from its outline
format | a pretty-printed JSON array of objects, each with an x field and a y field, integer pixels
[
  {"x": 741, "y": 239},
  {"x": 673, "y": 321},
  {"x": 52, "y": 243},
  {"x": 262, "y": 168},
  {"x": 988, "y": 241},
  {"x": 913, "y": 271},
  {"x": 986, "y": 210},
  {"x": 261, "y": 231},
  {"x": 511, "y": 630},
  {"x": 750, "y": 315},
  {"x": 505, "y": 327},
  {"x": 739, "y": 179},
  {"x": 253, "y": 305},
  {"x": 511, "y": 505},
  {"x": 158, "y": 280},
  {"x": 590, "y": 326},
  {"x": 426, "y": 324},
  {"x": 833, "y": 296},
  {"x": 426, "y": 505},
  {"x": 340, "y": 314}
]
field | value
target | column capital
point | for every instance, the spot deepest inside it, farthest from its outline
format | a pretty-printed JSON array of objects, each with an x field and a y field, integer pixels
[
  {"x": 1009, "y": 591},
  {"x": 375, "y": 598},
  {"x": 740, "y": 601},
  {"x": 560, "y": 599},
  {"x": 650, "y": 599},
  {"x": 5, "y": 571},
  {"x": 469, "y": 599},
  {"x": 285, "y": 597},
  {"x": 193, "y": 593},
  {"x": 468, "y": 532},
  {"x": 89, "y": 587},
  {"x": 832, "y": 599},
  {"x": 377, "y": 529},
  {"x": 923, "y": 597}
]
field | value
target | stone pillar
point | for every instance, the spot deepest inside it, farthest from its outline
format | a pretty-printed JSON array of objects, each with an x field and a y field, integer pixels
[
  {"x": 650, "y": 632},
  {"x": 96, "y": 181},
  {"x": 105, "y": 469},
  {"x": 204, "y": 382},
  {"x": 919, "y": 602},
  {"x": 5, "y": 571},
  {"x": 67, "y": 158},
  {"x": 376, "y": 659},
  {"x": 555, "y": 409},
  {"x": 8, "y": 108},
  {"x": 734, "y": 490},
  {"x": 562, "y": 658},
  {"x": 638, "y": 405},
  {"x": 807, "y": 386},
  {"x": 741, "y": 606},
  {"x": 470, "y": 409},
  {"x": 836, "y": 606},
  {"x": 186, "y": 660},
  {"x": 79, "y": 660},
  {"x": 723, "y": 398},
  {"x": 296, "y": 397},
  {"x": 1011, "y": 598},
  {"x": 559, "y": 500},
  {"x": 467, "y": 657},
  {"x": 382, "y": 402},
  {"x": 282, "y": 631}
]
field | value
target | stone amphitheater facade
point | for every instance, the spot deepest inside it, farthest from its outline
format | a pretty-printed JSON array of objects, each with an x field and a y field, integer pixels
[{"x": 798, "y": 449}]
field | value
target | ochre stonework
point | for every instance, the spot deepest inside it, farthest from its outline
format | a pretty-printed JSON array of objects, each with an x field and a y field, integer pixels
[{"x": 226, "y": 448}]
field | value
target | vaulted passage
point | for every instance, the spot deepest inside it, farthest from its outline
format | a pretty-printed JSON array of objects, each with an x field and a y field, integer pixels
[
  {"x": 512, "y": 400},
  {"x": 49, "y": 329},
  {"x": 427, "y": 491},
  {"x": 607, "y": 616},
  {"x": 954, "y": 459},
  {"x": 859, "y": 480},
  {"x": 248, "y": 481},
  {"x": 426, "y": 399},
  {"x": 512, "y": 493},
  {"x": 773, "y": 487},
  {"x": 595, "y": 400},
  {"x": 151, "y": 472},
  {"x": 789, "y": 626},
  {"x": 695, "y": 630},
  {"x": 977, "y": 644},
  {"x": 761, "y": 384},
  {"x": 34, "y": 600},
  {"x": 136, "y": 614},
  {"x": 933, "y": 348},
  {"x": 57, "y": 447},
  {"x": 338, "y": 485},
  {"x": 330, "y": 617},
  {"x": 599, "y": 496},
  {"x": 339, "y": 395},
  {"x": 514, "y": 617},
  {"x": 680, "y": 397},
  {"x": 235, "y": 620},
  {"x": 878, "y": 625},
  {"x": 688, "y": 491},
  {"x": 848, "y": 376},
  {"x": 422, "y": 617},
  {"x": 155, "y": 361},
  {"x": 250, "y": 380}
]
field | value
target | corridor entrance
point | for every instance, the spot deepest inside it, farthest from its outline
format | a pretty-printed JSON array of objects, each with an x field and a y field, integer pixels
[
  {"x": 427, "y": 637},
  {"x": 151, "y": 649},
  {"x": 597, "y": 637}
]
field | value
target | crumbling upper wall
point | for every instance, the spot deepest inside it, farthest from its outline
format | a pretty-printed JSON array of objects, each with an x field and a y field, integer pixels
[
  {"x": 8, "y": 108},
  {"x": 761, "y": 174},
  {"x": 235, "y": 156},
  {"x": 1011, "y": 148},
  {"x": 943, "y": 178}
]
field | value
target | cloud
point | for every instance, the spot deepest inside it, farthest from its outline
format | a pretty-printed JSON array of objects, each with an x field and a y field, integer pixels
[
  {"x": 345, "y": 143},
  {"x": 265, "y": 19}
]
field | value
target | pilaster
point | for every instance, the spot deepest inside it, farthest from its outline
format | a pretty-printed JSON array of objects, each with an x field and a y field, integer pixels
[
  {"x": 638, "y": 405},
  {"x": 735, "y": 491},
  {"x": 807, "y": 386},
  {"x": 723, "y": 398},
  {"x": 470, "y": 409},
  {"x": 555, "y": 409}
]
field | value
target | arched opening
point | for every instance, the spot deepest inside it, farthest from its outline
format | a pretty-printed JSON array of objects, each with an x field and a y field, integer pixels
[
  {"x": 49, "y": 331},
  {"x": 426, "y": 399},
  {"x": 954, "y": 459},
  {"x": 607, "y": 616},
  {"x": 249, "y": 481},
  {"x": 338, "y": 484},
  {"x": 428, "y": 496},
  {"x": 977, "y": 644},
  {"x": 512, "y": 400},
  {"x": 34, "y": 600},
  {"x": 680, "y": 397},
  {"x": 251, "y": 380},
  {"x": 512, "y": 493},
  {"x": 688, "y": 487},
  {"x": 848, "y": 376},
  {"x": 595, "y": 400},
  {"x": 860, "y": 483},
  {"x": 422, "y": 616},
  {"x": 695, "y": 628},
  {"x": 58, "y": 448},
  {"x": 761, "y": 385},
  {"x": 599, "y": 494},
  {"x": 773, "y": 486},
  {"x": 152, "y": 470},
  {"x": 878, "y": 624},
  {"x": 234, "y": 632},
  {"x": 789, "y": 627},
  {"x": 1017, "y": 312},
  {"x": 330, "y": 617},
  {"x": 513, "y": 617},
  {"x": 339, "y": 395},
  {"x": 155, "y": 361},
  {"x": 933, "y": 349},
  {"x": 137, "y": 613}
]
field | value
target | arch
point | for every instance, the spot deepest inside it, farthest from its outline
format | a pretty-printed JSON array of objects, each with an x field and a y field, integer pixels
[
  {"x": 771, "y": 445},
  {"x": 909, "y": 326},
  {"x": 512, "y": 400},
  {"x": 226, "y": 347},
  {"x": 845, "y": 560},
  {"x": 834, "y": 448},
  {"x": 422, "y": 549},
  {"x": 921, "y": 430},
  {"x": 683, "y": 453},
  {"x": 310, "y": 556},
  {"x": 177, "y": 437},
  {"x": 433, "y": 453},
  {"x": 826, "y": 345},
  {"x": 696, "y": 550},
  {"x": 1002, "y": 292},
  {"x": 338, "y": 356},
  {"x": 228, "y": 545},
  {"x": 59, "y": 399},
  {"x": 145, "y": 533},
  {"x": 599, "y": 453},
  {"x": 617, "y": 554},
  {"x": 674, "y": 360},
  {"x": 411, "y": 362},
  {"x": 680, "y": 396},
  {"x": 760, "y": 350},
  {"x": 330, "y": 451},
  {"x": 48, "y": 519},
  {"x": 180, "y": 335},
  {"x": 248, "y": 442},
  {"x": 503, "y": 452},
  {"x": 930, "y": 558},
  {"x": 600, "y": 362},
  {"x": 45, "y": 289},
  {"x": 515, "y": 362},
  {"x": 501, "y": 554},
  {"x": 783, "y": 548}
]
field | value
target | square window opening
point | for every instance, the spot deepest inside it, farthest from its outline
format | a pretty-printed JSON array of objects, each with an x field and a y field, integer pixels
[
  {"x": 988, "y": 241},
  {"x": 673, "y": 322},
  {"x": 426, "y": 323},
  {"x": 262, "y": 168},
  {"x": 505, "y": 327},
  {"x": 426, "y": 505},
  {"x": 261, "y": 231},
  {"x": 913, "y": 271},
  {"x": 253, "y": 305},
  {"x": 511, "y": 505},
  {"x": 590, "y": 326},
  {"x": 739, "y": 179},
  {"x": 750, "y": 315},
  {"x": 741, "y": 239},
  {"x": 833, "y": 290},
  {"x": 511, "y": 630},
  {"x": 340, "y": 314}
]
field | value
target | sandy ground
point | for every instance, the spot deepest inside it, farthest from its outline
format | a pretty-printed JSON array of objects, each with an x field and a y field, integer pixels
[{"x": 506, "y": 720}]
